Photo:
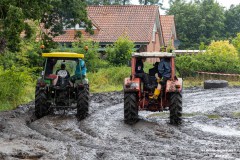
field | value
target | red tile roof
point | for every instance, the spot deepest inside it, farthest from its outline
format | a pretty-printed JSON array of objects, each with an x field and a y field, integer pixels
[
  {"x": 136, "y": 21},
  {"x": 167, "y": 22},
  {"x": 68, "y": 36}
]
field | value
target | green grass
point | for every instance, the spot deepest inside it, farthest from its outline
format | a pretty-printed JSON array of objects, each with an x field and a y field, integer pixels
[
  {"x": 199, "y": 81},
  {"x": 185, "y": 115},
  {"x": 109, "y": 79},
  {"x": 6, "y": 106},
  {"x": 166, "y": 114},
  {"x": 236, "y": 114},
  {"x": 189, "y": 114},
  {"x": 17, "y": 87},
  {"x": 27, "y": 97},
  {"x": 213, "y": 116},
  {"x": 159, "y": 114}
]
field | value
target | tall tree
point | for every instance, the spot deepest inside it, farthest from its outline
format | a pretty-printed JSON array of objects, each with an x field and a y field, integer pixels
[
  {"x": 212, "y": 21},
  {"x": 187, "y": 20},
  {"x": 54, "y": 14},
  {"x": 107, "y": 2},
  {"x": 198, "y": 21},
  {"x": 151, "y": 2},
  {"x": 232, "y": 22}
]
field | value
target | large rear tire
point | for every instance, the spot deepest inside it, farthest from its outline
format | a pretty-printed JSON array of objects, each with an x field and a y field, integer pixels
[
  {"x": 176, "y": 109},
  {"x": 83, "y": 103},
  {"x": 130, "y": 108},
  {"x": 41, "y": 104}
]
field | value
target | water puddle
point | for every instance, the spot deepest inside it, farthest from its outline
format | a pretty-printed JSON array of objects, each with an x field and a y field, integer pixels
[{"x": 223, "y": 131}]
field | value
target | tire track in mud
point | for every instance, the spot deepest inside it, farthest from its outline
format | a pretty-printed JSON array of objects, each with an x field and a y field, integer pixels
[{"x": 103, "y": 135}]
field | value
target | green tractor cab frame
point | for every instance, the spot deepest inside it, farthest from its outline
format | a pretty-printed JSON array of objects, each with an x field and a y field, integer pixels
[{"x": 65, "y": 95}]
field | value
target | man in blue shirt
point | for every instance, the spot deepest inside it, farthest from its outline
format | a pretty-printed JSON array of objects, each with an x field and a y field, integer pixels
[
  {"x": 81, "y": 69},
  {"x": 164, "y": 70}
]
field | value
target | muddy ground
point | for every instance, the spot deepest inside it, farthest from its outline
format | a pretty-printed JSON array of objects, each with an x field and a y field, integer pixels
[{"x": 211, "y": 130}]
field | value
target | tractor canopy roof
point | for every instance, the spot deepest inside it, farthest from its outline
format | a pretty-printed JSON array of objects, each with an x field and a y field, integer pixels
[
  {"x": 62, "y": 55},
  {"x": 153, "y": 54}
]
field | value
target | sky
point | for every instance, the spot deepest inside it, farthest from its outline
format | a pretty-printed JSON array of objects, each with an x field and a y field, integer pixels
[
  {"x": 227, "y": 3},
  {"x": 224, "y": 3}
]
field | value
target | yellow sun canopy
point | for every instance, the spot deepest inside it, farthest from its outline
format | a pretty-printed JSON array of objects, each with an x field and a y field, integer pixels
[{"x": 63, "y": 55}]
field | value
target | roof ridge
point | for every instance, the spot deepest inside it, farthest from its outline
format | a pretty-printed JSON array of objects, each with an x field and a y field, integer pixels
[
  {"x": 123, "y": 6},
  {"x": 167, "y": 15}
]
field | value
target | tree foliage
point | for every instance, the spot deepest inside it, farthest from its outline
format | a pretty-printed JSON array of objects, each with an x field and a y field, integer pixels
[
  {"x": 232, "y": 22},
  {"x": 91, "y": 56},
  {"x": 53, "y": 14},
  {"x": 151, "y": 2},
  {"x": 236, "y": 43},
  {"x": 198, "y": 21},
  {"x": 13, "y": 25},
  {"x": 120, "y": 52},
  {"x": 107, "y": 2}
]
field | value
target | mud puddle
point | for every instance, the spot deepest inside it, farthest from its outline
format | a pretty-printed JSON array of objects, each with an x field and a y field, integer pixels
[{"x": 211, "y": 130}]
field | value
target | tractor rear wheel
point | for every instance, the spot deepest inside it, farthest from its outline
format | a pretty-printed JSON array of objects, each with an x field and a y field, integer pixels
[
  {"x": 83, "y": 103},
  {"x": 176, "y": 109},
  {"x": 41, "y": 104},
  {"x": 130, "y": 108}
]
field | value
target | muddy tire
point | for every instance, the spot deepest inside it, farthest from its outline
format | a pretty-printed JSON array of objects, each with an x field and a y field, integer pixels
[
  {"x": 176, "y": 109},
  {"x": 83, "y": 103},
  {"x": 41, "y": 104},
  {"x": 130, "y": 108},
  {"x": 208, "y": 84}
]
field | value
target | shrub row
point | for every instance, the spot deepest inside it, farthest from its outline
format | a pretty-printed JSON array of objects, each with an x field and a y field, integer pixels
[
  {"x": 220, "y": 57},
  {"x": 17, "y": 87}
]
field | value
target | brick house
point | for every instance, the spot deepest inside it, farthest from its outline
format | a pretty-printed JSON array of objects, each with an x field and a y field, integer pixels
[
  {"x": 142, "y": 23},
  {"x": 168, "y": 29}
]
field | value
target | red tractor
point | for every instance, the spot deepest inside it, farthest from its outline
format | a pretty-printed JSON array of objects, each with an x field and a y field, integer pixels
[{"x": 138, "y": 97}]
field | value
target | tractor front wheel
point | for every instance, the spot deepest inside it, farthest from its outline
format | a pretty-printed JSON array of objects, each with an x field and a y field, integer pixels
[
  {"x": 83, "y": 102},
  {"x": 176, "y": 109},
  {"x": 41, "y": 105},
  {"x": 130, "y": 108}
]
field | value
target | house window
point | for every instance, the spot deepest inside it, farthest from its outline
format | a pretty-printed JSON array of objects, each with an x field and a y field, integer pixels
[{"x": 77, "y": 26}]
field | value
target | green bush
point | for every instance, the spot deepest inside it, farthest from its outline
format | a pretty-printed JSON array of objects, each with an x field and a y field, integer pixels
[
  {"x": 236, "y": 43},
  {"x": 186, "y": 65},
  {"x": 108, "y": 79},
  {"x": 93, "y": 62},
  {"x": 219, "y": 57},
  {"x": 120, "y": 52},
  {"x": 17, "y": 87},
  {"x": 7, "y": 59}
]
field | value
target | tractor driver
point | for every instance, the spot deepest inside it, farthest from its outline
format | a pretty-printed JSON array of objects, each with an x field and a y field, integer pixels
[
  {"x": 139, "y": 72},
  {"x": 63, "y": 72},
  {"x": 164, "y": 71}
]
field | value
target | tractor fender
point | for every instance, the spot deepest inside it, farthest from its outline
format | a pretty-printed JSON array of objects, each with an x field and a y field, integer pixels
[
  {"x": 174, "y": 85},
  {"x": 132, "y": 85}
]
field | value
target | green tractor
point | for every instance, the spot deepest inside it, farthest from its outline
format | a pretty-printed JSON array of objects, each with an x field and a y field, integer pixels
[{"x": 63, "y": 85}]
